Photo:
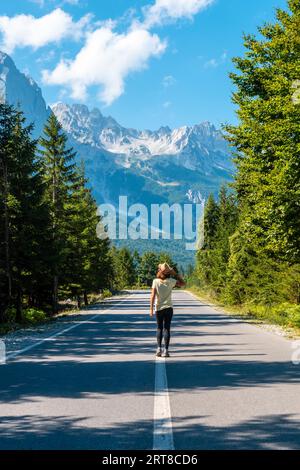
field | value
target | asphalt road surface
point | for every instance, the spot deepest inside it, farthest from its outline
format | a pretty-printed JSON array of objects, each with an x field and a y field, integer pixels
[{"x": 97, "y": 384}]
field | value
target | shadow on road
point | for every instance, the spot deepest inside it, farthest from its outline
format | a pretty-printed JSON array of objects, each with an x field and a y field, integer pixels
[
  {"x": 61, "y": 432},
  {"x": 113, "y": 355}
]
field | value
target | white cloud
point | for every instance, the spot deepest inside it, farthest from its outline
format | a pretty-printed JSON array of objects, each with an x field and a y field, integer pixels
[
  {"x": 47, "y": 57},
  {"x": 26, "y": 30},
  {"x": 216, "y": 62},
  {"x": 168, "y": 81},
  {"x": 170, "y": 10},
  {"x": 106, "y": 59}
]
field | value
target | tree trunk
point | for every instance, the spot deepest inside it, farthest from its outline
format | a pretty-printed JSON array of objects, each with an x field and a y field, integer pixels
[
  {"x": 19, "y": 315},
  {"x": 55, "y": 294},
  {"x": 3, "y": 306},
  {"x": 85, "y": 296},
  {"x": 7, "y": 237},
  {"x": 78, "y": 301},
  {"x": 31, "y": 300},
  {"x": 55, "y": 278}
]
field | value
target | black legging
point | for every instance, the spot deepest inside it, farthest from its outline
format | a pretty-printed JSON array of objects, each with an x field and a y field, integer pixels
[{"x": 163, "y": 319}]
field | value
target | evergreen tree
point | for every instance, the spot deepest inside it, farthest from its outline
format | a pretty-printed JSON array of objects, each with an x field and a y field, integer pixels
[
  {"x": 148, "y": 268},
  {"x": 251, "y": 249},
  {"x": 149, "y": 264},
  {"x": 220, "y": 220},
  {"x": 124, "y": 271},
  {"x": 24, "y": 216},
  {"x": 60, "y": 177},
  {"x": 7, "y": 160},
  {"x": 211, "y": 219},
  {"x": 88, "y": 266}
]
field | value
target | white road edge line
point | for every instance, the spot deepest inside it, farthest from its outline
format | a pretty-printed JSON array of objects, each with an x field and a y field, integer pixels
[
  {"x": 162, "y": 421},
  {"x": 49, "y": 338},
  {"x": 230, "y": 319}
]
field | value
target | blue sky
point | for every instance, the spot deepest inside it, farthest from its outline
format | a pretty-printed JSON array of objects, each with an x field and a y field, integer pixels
[{"x": 146, "y": 63}]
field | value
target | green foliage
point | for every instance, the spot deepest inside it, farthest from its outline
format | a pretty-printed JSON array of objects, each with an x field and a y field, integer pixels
[
  {"x": 283, "y": 314},
  {"x": 124, "y": 274},
  {"x": 80, "y": 261},
  {"x": 59, "y": 175},
  {"x": 10, "y": 315},
  {"x": 251, "y": 250},
  {"x": 49, "y": 249},
  {"x": 48, "y": 217},
  {"x": 220, "y": 219},
  {"x": 148, "y": 265},
  {"x": 131, "y": 270},
  {"x": 106, "y": 293},
  {"x": 23, "y": 213},
  {"x": 148, "y": 268},
  {"x": 33, "y": 315},
  {"x": 267, "y": 137}
]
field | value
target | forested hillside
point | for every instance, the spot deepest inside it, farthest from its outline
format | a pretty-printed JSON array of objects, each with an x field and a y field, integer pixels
[
  {"x": 48, "y": 218},
  {"x": 49, "y": 251}
]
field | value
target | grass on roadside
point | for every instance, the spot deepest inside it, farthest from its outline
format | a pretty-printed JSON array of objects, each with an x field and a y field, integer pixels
[
  {"x": 284, "y": 315},
  {"x": 35, "y": 317}
]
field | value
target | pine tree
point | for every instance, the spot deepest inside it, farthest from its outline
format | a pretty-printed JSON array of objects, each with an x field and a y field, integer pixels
[
  {"x": 220, "y": 221},
  {"x": 23, "y": 212},
  {"x": 227, "y": 223},
  {"x": 7, "y": 121},
  {"x": 59, "y": 177},
  {"x": 210, "y": 223},
  {"x": 148, "y": 268},
  {"x": 124, "y": 271},
  {"x": 211, "y": 220},
  {"x": 88, "y": 266}
]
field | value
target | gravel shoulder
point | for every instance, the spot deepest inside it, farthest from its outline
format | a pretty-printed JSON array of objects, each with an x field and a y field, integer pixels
[
  {"x": 285, "y": 332},
  {"x": 17, "y": 340}
]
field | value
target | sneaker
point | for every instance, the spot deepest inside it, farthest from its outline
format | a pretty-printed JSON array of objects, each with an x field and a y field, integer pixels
[
  {"x": 158, "y": 352},
  {"x": 166, "y": 353}
]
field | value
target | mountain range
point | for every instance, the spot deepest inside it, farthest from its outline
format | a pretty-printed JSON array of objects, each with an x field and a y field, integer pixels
[
  {"x": 21, "y": 90},
  {"x": 163, "y": 166},
  {"x": 174, "y": 165}
]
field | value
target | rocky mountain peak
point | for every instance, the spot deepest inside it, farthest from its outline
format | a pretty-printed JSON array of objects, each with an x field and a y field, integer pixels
[
  {"x": 107, "y": 134},
  {"x": 185, "y": 163},
  {"x": 19, "y": 89}
]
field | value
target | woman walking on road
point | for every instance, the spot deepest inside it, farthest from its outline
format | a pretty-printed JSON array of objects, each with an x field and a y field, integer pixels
[{"x": 166, "y": 280}]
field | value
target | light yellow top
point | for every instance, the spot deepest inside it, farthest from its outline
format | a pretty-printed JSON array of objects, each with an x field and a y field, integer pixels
[{"x": 164, "y": 292}]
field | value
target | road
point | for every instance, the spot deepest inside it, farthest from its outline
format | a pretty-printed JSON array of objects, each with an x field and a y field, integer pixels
[{"x": 97, "y": 384}]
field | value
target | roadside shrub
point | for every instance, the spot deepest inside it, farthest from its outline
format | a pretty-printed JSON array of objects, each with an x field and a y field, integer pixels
[
  {"x": 33, "y": 315},
  {"x": 106, "y": 293},
  {"x": 10, "y": 315},
  {"x": 285, "y": 314},
  {"x": 290, "y": 312}
]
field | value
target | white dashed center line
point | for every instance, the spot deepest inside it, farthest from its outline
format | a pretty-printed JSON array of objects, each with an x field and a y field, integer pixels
[{"x": 162, "y": 432}]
